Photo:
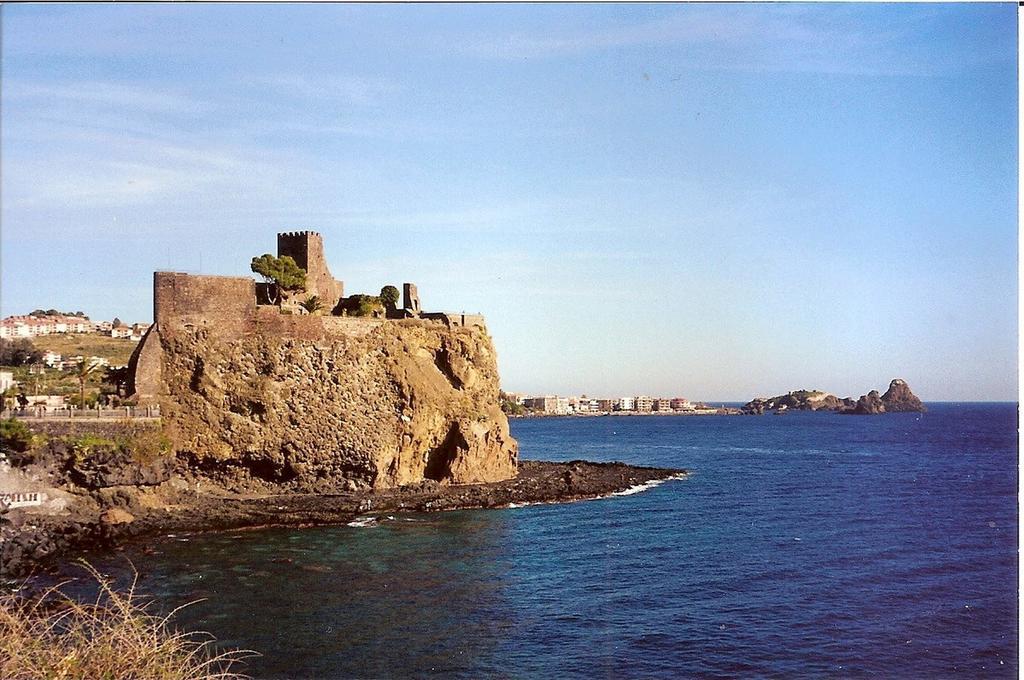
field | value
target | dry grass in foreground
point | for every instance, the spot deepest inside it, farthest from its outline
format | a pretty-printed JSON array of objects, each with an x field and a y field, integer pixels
[{"x": 56, "y": 637}]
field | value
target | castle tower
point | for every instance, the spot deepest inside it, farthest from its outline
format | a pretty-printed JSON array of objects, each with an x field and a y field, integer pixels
[
  {"x": 411, "y": 298},
  {"x": 307, "y": 249}
]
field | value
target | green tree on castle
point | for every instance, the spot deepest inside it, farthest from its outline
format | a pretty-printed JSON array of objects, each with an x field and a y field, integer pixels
[
  {"x": 389, "y": 297},
  {"x": 280, "y": 273}
]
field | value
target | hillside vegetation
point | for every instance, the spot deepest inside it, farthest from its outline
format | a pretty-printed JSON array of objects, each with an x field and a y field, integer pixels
[
  {"x": 115, "y": 350},
  {"x": 51, "y": 381}
]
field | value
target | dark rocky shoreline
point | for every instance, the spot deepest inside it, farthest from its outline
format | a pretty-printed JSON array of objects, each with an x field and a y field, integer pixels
[{"x": 33, "y": 542}]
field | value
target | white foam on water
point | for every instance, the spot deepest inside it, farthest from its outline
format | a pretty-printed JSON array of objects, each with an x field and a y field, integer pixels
[
  {"x": 625, "y": 492},
  {"x": 373, "y": 520},
  {"x": 646, "y": 485},
  {"x": 513, "y": 506}
]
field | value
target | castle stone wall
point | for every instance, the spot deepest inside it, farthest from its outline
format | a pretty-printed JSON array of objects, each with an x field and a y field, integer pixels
[
  {"x": 410, "y": 298},
  {"x": 208, "y": 300},
  {"x": 307, "y": 249},
  {"x": 268, "y": 321},
  {"x": 453, "y": 320},
  {"x": 146, "y": 369},
  {"x": 340, "y": 325}
]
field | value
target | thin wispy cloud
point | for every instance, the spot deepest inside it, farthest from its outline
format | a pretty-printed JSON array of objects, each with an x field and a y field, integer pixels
[
  {"x": 759, "y": 38},
  {"x": 133, "y": 170},
  {"x": 365, "y": 91},
  {"x": 679, "y": 29},
  {"x": 104, "y": 95}
]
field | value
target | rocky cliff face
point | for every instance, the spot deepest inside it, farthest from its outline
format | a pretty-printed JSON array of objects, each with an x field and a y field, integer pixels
[{"x": 404, "y": 402}]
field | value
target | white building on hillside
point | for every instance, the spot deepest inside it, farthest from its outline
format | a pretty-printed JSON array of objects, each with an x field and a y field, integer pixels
[{"x": 34, "y": 326}]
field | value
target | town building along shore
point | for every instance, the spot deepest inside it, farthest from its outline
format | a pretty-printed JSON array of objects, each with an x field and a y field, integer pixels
[{"x": 550, "y": 405}]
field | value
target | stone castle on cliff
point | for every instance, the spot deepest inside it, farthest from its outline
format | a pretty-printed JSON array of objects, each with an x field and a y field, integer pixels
[
  {"x": 264, "y": 396},
  {"x": 233, "y": 306}
]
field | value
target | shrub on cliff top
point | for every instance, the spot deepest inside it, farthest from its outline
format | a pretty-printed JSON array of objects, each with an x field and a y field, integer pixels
[
  {"x": 113, "y": 636},
  {"x": 312, "y": 304},
  {"x": 15, "y": 436},
  {"x": 145, "y": 445},
  {"x": 361, "y": 305},
  {"x": 89, "y": 441}
]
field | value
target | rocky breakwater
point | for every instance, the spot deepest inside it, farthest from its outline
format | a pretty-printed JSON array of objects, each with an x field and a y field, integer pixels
[
  {"x": 897, "y": 399},
  {"x": 405, "y": 402}
]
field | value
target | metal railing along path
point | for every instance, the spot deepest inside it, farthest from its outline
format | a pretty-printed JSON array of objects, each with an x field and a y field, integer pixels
[{"x": 121, "y": 413}]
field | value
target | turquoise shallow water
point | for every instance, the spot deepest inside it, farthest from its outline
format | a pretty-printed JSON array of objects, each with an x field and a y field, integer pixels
[{"x": 810, "y": 544}]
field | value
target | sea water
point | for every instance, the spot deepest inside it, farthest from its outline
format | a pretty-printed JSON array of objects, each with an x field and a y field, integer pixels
[{"x": 805, "y": 545}]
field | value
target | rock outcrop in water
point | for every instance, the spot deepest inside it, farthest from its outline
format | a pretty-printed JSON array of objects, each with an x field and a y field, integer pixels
[
  {"x": 800, "y": 400},
  {"x": 868, "y": 405},
  {"x": 897, "y": 399}
]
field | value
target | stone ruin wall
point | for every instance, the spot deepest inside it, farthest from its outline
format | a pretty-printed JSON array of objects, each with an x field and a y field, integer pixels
[
  {"x": 209, "y": 300},
  {"x": 307, "y": 249},
  {"x": 453, "y": 320},
  {"x": 226, "y": 307},
  {"x": 145, "y": 370}
]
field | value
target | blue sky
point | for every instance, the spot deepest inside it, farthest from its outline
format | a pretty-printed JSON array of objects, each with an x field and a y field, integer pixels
[{"x": 711, "y": 201}]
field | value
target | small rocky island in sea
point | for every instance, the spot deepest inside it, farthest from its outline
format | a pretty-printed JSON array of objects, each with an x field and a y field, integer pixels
[
  {"x": 281, "y": 403},
  {"x": 897, "y": 399}
]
